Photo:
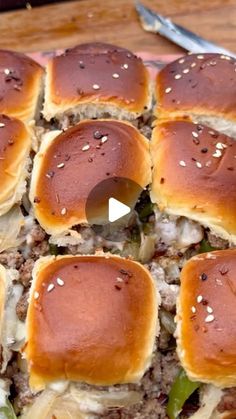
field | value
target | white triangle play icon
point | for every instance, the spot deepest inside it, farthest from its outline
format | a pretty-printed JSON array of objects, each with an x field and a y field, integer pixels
[{"x": 116, "y": 209}]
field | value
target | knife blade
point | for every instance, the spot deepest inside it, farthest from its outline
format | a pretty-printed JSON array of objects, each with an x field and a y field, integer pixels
[{"x": 154, "y": 22}]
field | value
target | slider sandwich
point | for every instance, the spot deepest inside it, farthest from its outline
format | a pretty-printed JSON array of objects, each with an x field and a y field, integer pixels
[
  {"x": 96, "y": 80},
  {"x": 15, "y": 144},
  {"x": 91, "y": 319},
  {"x": 194, "y": 176},
  {"x": 70, "y": 165},
  {"x": 21, "y": 84},
  {"x": 201, "y": 87},
  {"x": 206, "y": 330}
]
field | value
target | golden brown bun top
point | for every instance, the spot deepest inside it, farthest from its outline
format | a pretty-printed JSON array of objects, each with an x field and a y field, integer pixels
[
  {"x": 67, "y": 169},
  {"x": 14, "y": 148},
  {"x": 207, "y": 318},
  {"x": 20, "y": 84},
  {"x": 92, "y": 319},
  {"x": 99, "y": 72},
  {"x": 195, "y": 174},
  {"x": 203, "y": 84}
]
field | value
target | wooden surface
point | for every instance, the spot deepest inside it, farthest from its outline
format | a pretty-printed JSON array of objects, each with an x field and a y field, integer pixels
[{"x": 66, "y": 24}]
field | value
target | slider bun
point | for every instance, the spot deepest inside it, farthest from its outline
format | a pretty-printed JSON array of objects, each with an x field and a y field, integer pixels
[
  {"x": 95, "y": 80},
  {"x": 192, "y": 86},
  {"x": 15, "y": 145},
  {"x": 59, "y": 194},
  {"x": 206, "y": 318},
  {"x": 194, "y": 175},
  {"x": 20, "y": 85},
  {"x": 84, "y": 324}
]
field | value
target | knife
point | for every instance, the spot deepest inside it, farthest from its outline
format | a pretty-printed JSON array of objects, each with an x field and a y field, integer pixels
[{"x": 154, "y": 22}]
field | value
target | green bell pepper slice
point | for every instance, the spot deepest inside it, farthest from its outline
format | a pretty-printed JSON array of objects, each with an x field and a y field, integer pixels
[{"x": 181, "y": 390}]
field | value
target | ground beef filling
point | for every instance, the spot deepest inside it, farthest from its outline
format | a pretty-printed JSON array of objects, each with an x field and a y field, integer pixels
[{"x": 228, "y": 401}]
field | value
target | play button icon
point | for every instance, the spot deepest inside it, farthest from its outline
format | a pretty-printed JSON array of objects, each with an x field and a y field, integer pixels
[
  {"x": 110, "y": 207},
  {"x": 117, "y": 210}
]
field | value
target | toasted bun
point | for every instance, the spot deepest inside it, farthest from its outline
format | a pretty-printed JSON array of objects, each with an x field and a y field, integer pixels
[
  {"x": 192, "y": 85},
  {"x": 20, "y": 85},
  {"x": 206, "y": 318},
  {"x": 194, "y": 175},
  {"x": 91, "y": 319},
  {"x": 59, "y": 194},
  {"x": 95, "y": 80},
  {"x": 14, "y": 150}
]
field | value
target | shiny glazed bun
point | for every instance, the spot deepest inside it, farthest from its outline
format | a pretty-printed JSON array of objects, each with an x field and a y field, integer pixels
[
  {"x": 206, "y": 318},
  {"x": 194, "y": 175},
  {"x": 97, "y": 80},
  {"x": 91, "y": 319},
  {"x": 20, "y": 85},
  {"x": 68, "y": 167},
  {"x": 202, "y": 86},
  {"x": 15, "y": 145}
]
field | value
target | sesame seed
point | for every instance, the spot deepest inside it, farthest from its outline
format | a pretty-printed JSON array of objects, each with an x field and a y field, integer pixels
[
  {"x": 193, "y": 309},
  {"x": 60, "y": 282},
  {"x": 85, "y": 147},
  {"x": 209, "y": 309},
  {"x": 96, "y": 86},
  {"x": 60, "y": 165},
  {"x": 213, "y": 134},
  {"x": 115, "y": 75},
  {"x": 181, "y": 61},
  {"x": 193, "y": 65},
  {"x": 217, "y": 153},
  {"x": 204, "y": 150},
  {"x": 209, "y": 318},
  {"x": 119, "y": 279},
  {"x": 63, "y": 211},
  {"x": 182, "y": 163},
  {"x": 194, "y": 134},
  {"x": 168, "y": 89},
  {"x": 97, "y": 135},
  {"x": 200, "y": 57},
  {"x": 125, "y": 66},
  {"x": 50, "y": 174},
  {"x": 36, "y": 295},
  {"x": 224, "y": 270},
  {"x": 186, "y": 70},
  {"x": 198, "y": 164},
  {"x": 221, "y": 146},
  {"x": 50, "y": 287},
  {"x": 225, "y": 57},
  {"x": 208, "y": 163},
  {"x": 104, "y": 139},
  {"x": 203, "y": 276},
  {"x": 199, "y": 298},
  {"x": 178, "y": 76},
  {"x": 7, "y": 71},
  {"x": 2, "y": 125}
]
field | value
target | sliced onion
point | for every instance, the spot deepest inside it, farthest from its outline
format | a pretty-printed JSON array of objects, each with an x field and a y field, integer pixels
[
  {"x": 78, "y": 404},
  {"x": 10, "y": 226},
  {"x": 167, "y": 320},
  {"x": 210, "y": 397},
  {"x": 98, "y": 401},
  {"x": 41, "y": 406},
  {"x": 13, "y": 331},
  {"x": 147, "y": 248}
]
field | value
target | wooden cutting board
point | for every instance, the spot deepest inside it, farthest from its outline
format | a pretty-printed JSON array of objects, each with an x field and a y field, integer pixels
[{"x": 66, "y": 24}]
